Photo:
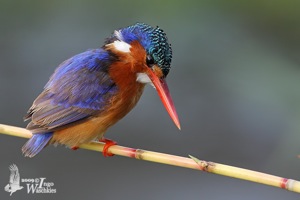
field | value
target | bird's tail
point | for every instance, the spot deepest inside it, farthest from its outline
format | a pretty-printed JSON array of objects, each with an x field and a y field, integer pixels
[{"x": 36, "y": 143}]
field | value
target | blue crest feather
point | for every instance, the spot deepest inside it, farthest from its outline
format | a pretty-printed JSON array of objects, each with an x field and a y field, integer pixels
[{"x": 154, "y": 40}]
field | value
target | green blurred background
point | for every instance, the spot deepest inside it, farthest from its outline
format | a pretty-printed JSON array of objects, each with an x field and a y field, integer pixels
[{"x": 234, "y": 79}]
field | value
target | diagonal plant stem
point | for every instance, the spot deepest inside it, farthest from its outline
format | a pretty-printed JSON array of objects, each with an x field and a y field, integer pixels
[{"x": 192, "y": 162}]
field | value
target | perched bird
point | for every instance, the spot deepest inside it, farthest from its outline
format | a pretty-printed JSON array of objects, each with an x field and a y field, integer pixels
[
  {"x": 91, "y": 91},
  {"x": 14, "y": 180}
]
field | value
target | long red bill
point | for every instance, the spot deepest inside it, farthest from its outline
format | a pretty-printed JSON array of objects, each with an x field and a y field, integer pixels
[{"x": 164, "y": 94}]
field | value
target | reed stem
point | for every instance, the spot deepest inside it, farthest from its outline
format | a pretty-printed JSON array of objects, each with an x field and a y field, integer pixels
[{"x": 192, "y": 162}]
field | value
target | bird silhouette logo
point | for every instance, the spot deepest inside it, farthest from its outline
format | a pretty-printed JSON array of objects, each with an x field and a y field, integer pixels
[{"x": 14, "y": 180}]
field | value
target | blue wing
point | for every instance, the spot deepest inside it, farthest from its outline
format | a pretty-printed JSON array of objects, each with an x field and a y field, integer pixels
[{"x": 79, "y": 88}]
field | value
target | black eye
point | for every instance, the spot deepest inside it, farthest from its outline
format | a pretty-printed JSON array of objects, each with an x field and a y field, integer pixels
[{"x": 149, "y": 60}]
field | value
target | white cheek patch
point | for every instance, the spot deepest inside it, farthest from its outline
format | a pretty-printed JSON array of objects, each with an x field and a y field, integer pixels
[
  {"x": 121, "y": 46},
  {"x": 143, "y": 78}
]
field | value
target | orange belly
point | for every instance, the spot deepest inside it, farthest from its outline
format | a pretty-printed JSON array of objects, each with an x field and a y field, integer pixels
[
  {"x": 95, "y": 127},
  {"x": 79, "y": 133}
]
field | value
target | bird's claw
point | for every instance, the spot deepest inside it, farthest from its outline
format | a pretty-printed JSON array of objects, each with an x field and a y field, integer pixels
[
  {"x": 75, "y": 148},
  {"x": 108, "y": 143}
]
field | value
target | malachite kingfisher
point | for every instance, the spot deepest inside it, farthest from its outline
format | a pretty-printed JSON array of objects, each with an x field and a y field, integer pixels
[{"x": 93, "y": 90}]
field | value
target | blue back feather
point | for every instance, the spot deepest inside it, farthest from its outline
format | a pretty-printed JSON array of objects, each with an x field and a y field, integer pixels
[
  {"x": 82, "y": 81},
  {"x": 79, "y": 88}
]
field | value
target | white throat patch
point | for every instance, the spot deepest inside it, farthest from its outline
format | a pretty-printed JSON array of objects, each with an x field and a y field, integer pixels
[{"x": 143, "y": 78}]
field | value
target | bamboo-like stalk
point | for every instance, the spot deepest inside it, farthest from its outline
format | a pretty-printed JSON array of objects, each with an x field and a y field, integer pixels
[{"x": 192, "y": 162}]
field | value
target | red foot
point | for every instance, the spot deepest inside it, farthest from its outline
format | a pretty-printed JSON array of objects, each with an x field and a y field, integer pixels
[
  {"x": 75, "y": 148},
  {"x": 108, "y": 143}
]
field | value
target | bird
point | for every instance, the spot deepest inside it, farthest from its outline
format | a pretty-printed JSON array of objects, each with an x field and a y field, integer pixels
[
  {"x": 91, "y": 91},
  {"x": 14, "y": 180}
]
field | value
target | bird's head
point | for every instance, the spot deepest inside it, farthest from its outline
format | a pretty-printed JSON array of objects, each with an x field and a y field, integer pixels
[{"x": 150, "y": 49}]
